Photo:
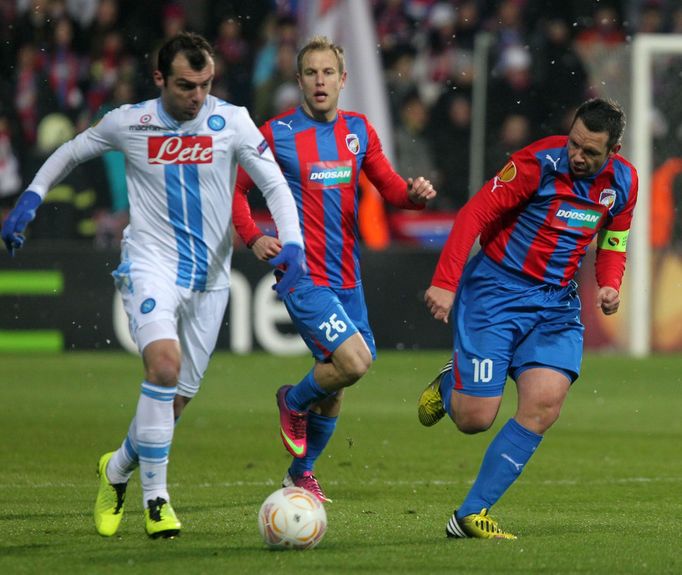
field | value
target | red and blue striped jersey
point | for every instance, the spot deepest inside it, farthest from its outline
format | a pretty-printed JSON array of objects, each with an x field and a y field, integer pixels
[
  {"x": 322, "y": 161},
  {"x": 536, "y": 219}
]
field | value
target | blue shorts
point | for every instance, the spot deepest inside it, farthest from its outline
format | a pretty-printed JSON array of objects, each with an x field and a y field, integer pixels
[
  {"x": 505, "y": 323},
  {"x": 327, "y": 317}
]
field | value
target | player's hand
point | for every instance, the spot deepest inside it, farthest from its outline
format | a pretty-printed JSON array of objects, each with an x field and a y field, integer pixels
[
  {"x": 439, "y": 301},
  {"x": 23, "y": 212},
  {"x": 266, "y": 248},
  {"x": 608, "y": 299},
  {"x": 420, "y": 190},
  {"x": 293, "y": 260}
]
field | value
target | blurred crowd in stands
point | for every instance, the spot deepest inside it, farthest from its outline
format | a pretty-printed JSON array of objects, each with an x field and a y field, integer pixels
[{"x": 66, "y": 62}]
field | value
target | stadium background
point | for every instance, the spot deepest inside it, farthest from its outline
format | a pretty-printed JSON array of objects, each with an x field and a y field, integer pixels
[{"x": 67, "y": 62}]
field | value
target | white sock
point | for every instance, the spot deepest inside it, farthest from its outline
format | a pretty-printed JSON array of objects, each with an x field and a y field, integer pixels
[
  {"x": 125, "y": 460},
  {"x": 154, "y": 436}
]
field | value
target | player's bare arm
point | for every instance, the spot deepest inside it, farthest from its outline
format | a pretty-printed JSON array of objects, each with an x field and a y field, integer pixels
[
  {"x": 266, "y": 247},
  {"x": 439, "y": 301},
  {"x": 608, "y": 299},
  {"x": 420, "y": 190}
]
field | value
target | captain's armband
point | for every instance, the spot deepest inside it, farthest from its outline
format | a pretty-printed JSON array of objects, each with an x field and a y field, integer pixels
[{"x": 613, "y": 240}]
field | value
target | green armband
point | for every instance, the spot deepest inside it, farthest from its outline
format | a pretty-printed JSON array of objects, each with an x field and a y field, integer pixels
[{"x": 612, "y": 240}]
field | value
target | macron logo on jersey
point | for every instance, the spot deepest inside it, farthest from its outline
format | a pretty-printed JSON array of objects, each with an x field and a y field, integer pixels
[
  {"x": 571, "y": 217},
  {"x": 180, "y": 150},
  {"x": 330, "y": 174}
]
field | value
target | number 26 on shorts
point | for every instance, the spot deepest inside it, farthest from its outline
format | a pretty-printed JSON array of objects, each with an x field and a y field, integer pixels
[{"x": 333, "y": 327}]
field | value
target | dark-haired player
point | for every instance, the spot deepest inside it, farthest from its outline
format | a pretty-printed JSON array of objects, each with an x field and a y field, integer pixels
[
  {"x": 181, "y": 154},
  {"x": 514, "y": 307}
]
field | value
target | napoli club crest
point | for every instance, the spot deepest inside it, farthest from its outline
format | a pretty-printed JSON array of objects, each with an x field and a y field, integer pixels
[
  {"x": 147, "y": 305},
  {"x": 216, "y": 123},
  {"x": 607, "y": 197},
  {"x": 353, "y": 143}
]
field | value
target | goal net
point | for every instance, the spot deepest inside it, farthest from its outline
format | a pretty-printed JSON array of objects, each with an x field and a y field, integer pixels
[{"x": 655, "y": 147}]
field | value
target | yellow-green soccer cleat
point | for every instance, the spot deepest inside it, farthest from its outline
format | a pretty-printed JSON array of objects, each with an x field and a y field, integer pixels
[
  {"x": 160, "y": 519},
  {"x": 477, "y": 525},
  {"x": 110, "y": 500},
  {"x": 431, "y": 409}
]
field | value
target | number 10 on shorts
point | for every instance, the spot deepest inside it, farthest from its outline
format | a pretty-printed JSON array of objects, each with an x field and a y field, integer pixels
[{"x": 483, "y": 370}]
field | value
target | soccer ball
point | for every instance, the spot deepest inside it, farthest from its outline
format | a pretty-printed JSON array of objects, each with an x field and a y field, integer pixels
[{"x": 292, "y": 518}]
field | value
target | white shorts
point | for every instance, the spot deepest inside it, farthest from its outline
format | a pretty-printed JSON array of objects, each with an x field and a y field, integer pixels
[{"x": 158, "y": 309}]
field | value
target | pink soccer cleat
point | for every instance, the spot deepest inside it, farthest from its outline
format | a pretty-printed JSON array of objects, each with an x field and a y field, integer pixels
[
  {"x": 307, "y": 481},
  {"x": 292, "y": 425}
]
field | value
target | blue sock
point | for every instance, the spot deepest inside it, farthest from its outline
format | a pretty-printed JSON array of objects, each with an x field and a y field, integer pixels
[
  {"x": 503, "y": 462},
  {"x": 319, "y": 431},
  {"x": 447, "y": 382},
  {"x": 304, "y": 393}
]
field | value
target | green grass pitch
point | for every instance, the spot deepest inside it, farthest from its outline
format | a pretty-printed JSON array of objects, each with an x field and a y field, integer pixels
[{"x": 602, "y": 495}]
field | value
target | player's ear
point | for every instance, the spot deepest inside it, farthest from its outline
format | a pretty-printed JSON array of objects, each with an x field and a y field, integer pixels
[
  {"x": 158, "y": 79},
  {"x": 343, "y": 79},
  {"x": 615, "y": 150}
]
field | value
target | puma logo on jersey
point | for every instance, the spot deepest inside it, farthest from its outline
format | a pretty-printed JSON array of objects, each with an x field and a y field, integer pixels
[
  {"x": 496, "y": 184},
  {"x": 287, "y": 124},
  {"x": 554, "y": 162},
  {"x": 180, "y": 150}
]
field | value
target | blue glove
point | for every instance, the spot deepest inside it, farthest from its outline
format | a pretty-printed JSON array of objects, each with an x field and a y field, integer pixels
[
  {"x": 23, "y": 212},
  {"x": 293, "y": 259}
]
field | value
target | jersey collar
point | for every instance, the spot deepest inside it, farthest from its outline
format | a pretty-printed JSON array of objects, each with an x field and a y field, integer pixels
[{"x": 173, "y": 124}]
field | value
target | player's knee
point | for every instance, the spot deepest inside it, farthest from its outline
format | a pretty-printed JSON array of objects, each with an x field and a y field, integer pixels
[
  {"x": 473, "y": 414},
  {"x": 362, "y": 364},
  {"x": 355, "y": 366},
  {"x": 162, "y": 362},
  {"x": 472, "y": 423},
  {"x": 164, "y": 370},
  {"x": 540, "y": 419},
  {"x": 550, "y": 415}
]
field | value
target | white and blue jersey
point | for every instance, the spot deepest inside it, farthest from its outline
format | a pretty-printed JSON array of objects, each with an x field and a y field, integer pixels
[{"x": 180, "y": 178}]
